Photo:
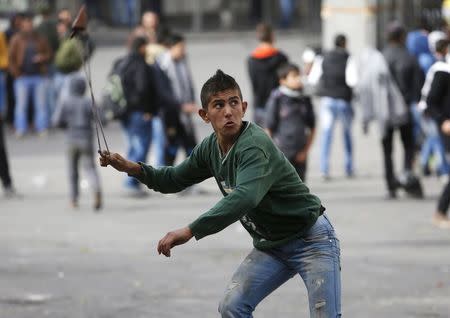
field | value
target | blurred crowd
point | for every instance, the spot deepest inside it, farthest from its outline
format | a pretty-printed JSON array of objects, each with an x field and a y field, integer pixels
[{"x": 150, "y": 92}]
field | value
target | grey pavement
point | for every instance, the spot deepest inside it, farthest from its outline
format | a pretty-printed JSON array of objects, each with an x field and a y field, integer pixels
[{"x": 58, "y": 262}]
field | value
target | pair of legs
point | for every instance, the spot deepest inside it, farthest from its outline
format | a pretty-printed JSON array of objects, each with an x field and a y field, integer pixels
[
  {"x": 138, "y": 130},
  {"x": 4, "y": 166},
  {"x": 35, "y": 86},
  {"x": 407, "y": 138},
  {"x": 316, "y": 258},
  {"x": 333, "y": 109},
  {"x": 86, "y": 156},
  {"x": 433, "y": 145},
  {"x": 179, "y": 132},
  {"x": 300, "y": 168},
  {"x": 158, "y": 141}
]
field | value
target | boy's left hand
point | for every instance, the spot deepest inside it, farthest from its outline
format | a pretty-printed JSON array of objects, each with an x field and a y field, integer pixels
[{"x": 172, "y": 239}]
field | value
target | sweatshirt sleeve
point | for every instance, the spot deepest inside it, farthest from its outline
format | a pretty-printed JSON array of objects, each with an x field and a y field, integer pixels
[
  {"x": 175, "y": 179},
  {"x": 253, "y": 181}
]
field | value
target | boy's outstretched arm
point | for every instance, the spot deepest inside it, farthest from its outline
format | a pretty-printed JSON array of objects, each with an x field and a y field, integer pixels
[{"x": 119, "y": 163}]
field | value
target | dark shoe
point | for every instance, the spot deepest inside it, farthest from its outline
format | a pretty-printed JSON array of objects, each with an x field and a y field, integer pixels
[
  {"x": 11, "y": 193},
  {"x": 391, "y": 195}
]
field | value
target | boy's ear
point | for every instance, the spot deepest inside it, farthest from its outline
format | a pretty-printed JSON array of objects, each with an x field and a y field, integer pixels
[
  {"x": 244, "y": 108},
  {"x": 204, "y": 115}
]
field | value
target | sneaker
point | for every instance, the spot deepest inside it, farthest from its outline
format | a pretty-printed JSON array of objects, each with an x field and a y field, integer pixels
[
  {"x": 441, "y": 221},
  {"x": 325, "y": 177},
  {"x": 391, "y": 195}
]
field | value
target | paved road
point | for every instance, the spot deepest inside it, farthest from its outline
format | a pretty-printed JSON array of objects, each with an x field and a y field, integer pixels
[{"x": 56, "y": 262}]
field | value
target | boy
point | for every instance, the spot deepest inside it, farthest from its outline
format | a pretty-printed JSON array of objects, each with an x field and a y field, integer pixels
[
  {"x": 262, "y": 190},
  {"x": 75, "y": 113},
  {"x": 290, "y": 119}
]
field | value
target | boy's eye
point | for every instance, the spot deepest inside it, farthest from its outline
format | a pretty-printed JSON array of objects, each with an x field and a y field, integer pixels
[{"x": 233, "y": 102}]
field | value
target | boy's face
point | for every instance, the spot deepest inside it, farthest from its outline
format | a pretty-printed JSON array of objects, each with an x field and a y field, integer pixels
[
  {"x": 225, "y": 111},
  {"x": 292, "y": 81}
]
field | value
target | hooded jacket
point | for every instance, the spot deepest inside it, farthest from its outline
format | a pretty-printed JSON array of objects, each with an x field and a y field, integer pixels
[
  {"x": 74, "y": 112},
  {"x": 262, "y": 68}
]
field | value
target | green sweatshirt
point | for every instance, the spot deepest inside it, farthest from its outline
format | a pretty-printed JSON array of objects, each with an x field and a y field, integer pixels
[{"x": 260, "y": 188}]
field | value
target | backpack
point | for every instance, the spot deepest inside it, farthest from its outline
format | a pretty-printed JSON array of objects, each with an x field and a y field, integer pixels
[
  {"x": 114, "y": 102},
  {"x": 68, "y": 58}
]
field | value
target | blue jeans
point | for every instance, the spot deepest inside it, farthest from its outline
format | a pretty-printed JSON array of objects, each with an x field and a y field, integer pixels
[
  {"x": 331, "y": 110},
  {"x": 35, "y": 86},
  {"x": 316, "y": 258},
  {"x": 139, "y": 135},
  {"x": 433, "y": 144},
  {"x": 158, "y": 141}
]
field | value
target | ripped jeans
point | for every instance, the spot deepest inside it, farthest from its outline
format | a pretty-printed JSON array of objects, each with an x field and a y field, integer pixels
[{"x": 316, "y": 258}]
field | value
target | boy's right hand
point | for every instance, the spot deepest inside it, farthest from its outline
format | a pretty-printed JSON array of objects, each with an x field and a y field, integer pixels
[{"x": 119, "y": 163}]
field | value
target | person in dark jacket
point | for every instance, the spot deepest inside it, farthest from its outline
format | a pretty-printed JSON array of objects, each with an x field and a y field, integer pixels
[
  {"x": 438, "y": 107},
  {"x": 262, "y": 68},
  {"x": 74, "y": 113},
  {"x": 335, "y": 87},
  {"x": 409, "y": 78},
  {"x": 140, "y": 93},
  {"x": 290, "y": 119}
]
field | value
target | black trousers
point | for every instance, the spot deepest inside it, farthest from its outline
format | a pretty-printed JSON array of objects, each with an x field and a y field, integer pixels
[
  {"x": 407, "y": 138},
  {"x": 300, "y": 168},
  {"x": 179, "y": 132},
  {"x": 4, "y": 167}
]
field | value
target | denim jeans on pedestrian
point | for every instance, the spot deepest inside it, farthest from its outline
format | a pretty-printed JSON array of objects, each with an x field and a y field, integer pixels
[
  {"x": 333, "y": 109},
  {"x": 316, "y": 258},
  {"x": 433, "y": 145},
  {"x": 138, "y": 131},
  {"x": 34, "y": 86},
  {"x": 158, "y": 141}
]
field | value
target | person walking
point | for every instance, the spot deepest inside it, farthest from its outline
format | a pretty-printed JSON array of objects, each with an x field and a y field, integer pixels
[
  {"x": 29, "y": 55},
  {"x": 408, "y": 76},
  {"x": 262, "y": 68},
  {"x": 338, "y": 76},
  {"x": 180, "y": 130},
  {"x": 74, "y": 112},
  {"x": 438, "y": 107},
  {"x": 261, "y": 189},
  {"x": 290, "y": 119}
]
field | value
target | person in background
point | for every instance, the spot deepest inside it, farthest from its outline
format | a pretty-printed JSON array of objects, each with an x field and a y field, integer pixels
[
  {"x": 180, "y": 130},
  {"x": 290, "y": 119},
  {"x": 433, "y": 144},
  {"x": 438, "y": 107},
  {"x": 74, "y": 112},
  {"x": 29, "y": 57},
  {"x": 5, "y": 175},
  {"x": 142, "y": 104},
  {"x": 408, "y": 76},
  {"x": 13, "y": 27},
  {"x": 262, "y": 68},
  {"x": 338, "y": 75}
]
